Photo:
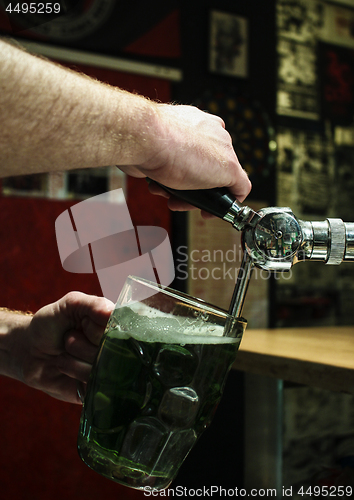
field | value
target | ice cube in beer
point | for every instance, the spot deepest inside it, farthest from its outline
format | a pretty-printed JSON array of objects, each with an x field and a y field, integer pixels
[
  {"x": 175, "y": 365},
  {"x": 143, "y": 350},
  {"x": 154, "y": 449},
  {"x": 144, "y": 440},
  {"x": 178, "y": 408},
  {"x": 179, "y": 444}
]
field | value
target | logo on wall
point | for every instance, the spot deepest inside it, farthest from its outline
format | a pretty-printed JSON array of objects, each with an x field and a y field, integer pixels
[{"x": 97, "y": 236}]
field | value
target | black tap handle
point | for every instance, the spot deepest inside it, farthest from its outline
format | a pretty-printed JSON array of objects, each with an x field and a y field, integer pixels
[{"x": 216, "y": 201}]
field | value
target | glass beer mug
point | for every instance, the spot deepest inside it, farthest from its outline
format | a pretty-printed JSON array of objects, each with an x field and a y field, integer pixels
[{"x": 156, "y": 382}]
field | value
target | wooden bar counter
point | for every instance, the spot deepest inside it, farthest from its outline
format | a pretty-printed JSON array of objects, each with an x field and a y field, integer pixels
[{"x": 319, "y": 357}]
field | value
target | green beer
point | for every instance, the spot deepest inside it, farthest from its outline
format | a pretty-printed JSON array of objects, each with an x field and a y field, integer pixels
[{"x": 155, "y": 385}]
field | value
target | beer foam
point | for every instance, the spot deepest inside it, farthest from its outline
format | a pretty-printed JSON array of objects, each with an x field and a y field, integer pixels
[{"x": 149, "y": 325}]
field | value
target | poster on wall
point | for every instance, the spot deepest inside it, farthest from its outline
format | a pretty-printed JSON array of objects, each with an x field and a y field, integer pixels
[
  {"x": 228, "y": 44},
  {"x": 297, "y": 94},
  {"x": 338, "y": 24},
  {"x": 302, "y": 64},
  {"x": 298, "y": 26},
  {"x": 344, "y": 156},
  {"x": 305, "y": 172},
  {"x": 337, "y": 83},
  {"x": 300, "y": 20}
]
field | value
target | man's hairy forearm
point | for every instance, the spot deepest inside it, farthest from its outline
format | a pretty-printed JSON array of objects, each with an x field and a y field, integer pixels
[
  {"x": 13, "y": 326},
  {"x": 55, "y": 119}
]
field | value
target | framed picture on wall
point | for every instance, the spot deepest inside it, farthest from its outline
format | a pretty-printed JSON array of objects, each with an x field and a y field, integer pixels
[{"x": 228, "y": 48}]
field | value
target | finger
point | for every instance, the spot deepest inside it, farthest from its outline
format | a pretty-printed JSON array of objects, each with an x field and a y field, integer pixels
[
  {"x": 77, "y": 345},
  {"x": 218, "y": 119},
  {"x": 176, "y": 204},
  {"x": 76, "y": 305},
  {"x": 92, "y": 331},
  {"x": 155, "y": 188},
  {"x": 65, "y": 390},
  {"x": 73, "y": 367},
  {"x": 243, "y": 186},
  {"x": 99, "y": 309}
]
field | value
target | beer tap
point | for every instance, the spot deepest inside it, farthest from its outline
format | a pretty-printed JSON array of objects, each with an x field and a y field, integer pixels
[{"x": 273, "y": 238}]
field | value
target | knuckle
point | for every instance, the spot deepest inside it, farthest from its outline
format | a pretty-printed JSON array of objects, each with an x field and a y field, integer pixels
[{"x": 73, "y": 298}]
